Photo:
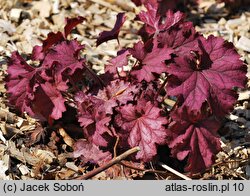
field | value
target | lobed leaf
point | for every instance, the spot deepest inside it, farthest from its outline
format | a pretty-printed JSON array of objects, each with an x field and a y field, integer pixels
[
  {"x": 150, "y": 62},
  {"x": 145, "y": 127},
  {"x": 194, "y": 136},
  {"x": 209, "y": 76}
]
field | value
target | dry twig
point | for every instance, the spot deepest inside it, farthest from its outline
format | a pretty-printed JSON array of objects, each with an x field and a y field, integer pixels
[
  {"x": 109, "y": 164},
  {"x": 174, "y": 171}
]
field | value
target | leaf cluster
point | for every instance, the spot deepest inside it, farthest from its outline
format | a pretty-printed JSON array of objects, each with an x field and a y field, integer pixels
[{"x": 127, "y": 104}]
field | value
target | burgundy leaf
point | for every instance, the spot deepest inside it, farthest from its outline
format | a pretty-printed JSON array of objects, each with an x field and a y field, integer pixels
[
  {"x": 89, "y": 152},
  {"x": 194, "y": 136},
  {"x": 150, "y": 18},
  {"x": 140, "y": 2},
  {"x": 150, "y": 63},
  {"x": 71, "y": 23},
  {"x": 145, "y": 126},
  {"x": 137, "y": 2},
  {"x": 66, "y": 54},
  {"x": 92, "y": 117},
  {"x": 208, "y": 77},
  {"x": 154, "y": 21},
  {"x": 52, "y": 39},
  {"x": 118, "y": 92},
  {"x": 37, "y": 54},
  {"x": 182, "y": 38},
  {"x": 56, "y": 98},
  {"x": 42, "y": 105},
  {"x": 117, "y": 62},
  {"x": 112, "y": 34},
  {"x": 20, "y": 83}
]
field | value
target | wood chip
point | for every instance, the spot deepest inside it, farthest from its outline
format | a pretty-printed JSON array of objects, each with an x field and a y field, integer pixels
[
  {"x": 244, "y": 44},
  {"x": 67, "y": 139},
  {"x": 45, "y": 155},
  {"x": 24, "y": 156},
  {"x": 23, "y": 169},
  {"x": 72, "y": 166},
  {"x": 15, "y": 14}
]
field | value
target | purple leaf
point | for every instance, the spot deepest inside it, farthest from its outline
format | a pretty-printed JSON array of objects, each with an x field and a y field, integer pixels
[
  {"x": 112, "y": 34},
  {"x": 67, "y": 55},
  {"x": 72, "y": 23},
  {"x": 152, "y": 62},
  {"x": 52, "y": 39},
  {"x": 56, "y": 98},
  {"x": 20, "y": 83},
  {"x": 208, "y": 76},
  {"x": 92, "y": 117},
  {"x": 117, "y": 62},
  {"x": 145, "y": 127},
  {"x": 154, "y": 21},
  {"x": 194, "y": 136},
  {"x": 89, "y": 152}
]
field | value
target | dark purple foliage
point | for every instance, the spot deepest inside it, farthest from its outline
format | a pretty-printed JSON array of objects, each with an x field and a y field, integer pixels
[
  {"x": 112, "y": 34},
  {"x": 127, "y": 105}
]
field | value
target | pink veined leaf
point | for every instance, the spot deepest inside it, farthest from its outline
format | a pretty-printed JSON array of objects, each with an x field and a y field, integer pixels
[
  {"x": 86, "y": 109},
  {"x": 138, "y": 51},
  {"x": 152, "y": 62},
  {"x": 89, "y": 152},
  {"x": 194, "y": 136},
  {"x": 118, "y": 62},
  {"x": 66, "y": 54},
  {"x": 112, "y": 34},
  {"x": 20, "y": 83},
  {"x": 118, "y": 92},
  {"x": 145, "y": 126},
  {"x": 61, "y": 62},
  {"x": 37, "y": 53},
  {"x": 209, "y": 76},
  {"x": 29, "y": 94},
  {"x": 153, "y": 20},
  {"x": 182, "y": 38},
  {"x": 173, "y": 19},
  {"x": 72, "y": 23},
  {"x": 92, "y": 117},
  {"x": 150, "y": 18},
  {"x": 59, "y": 82}
]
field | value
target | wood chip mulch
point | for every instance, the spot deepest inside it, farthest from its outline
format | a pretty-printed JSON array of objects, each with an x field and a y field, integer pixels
[{"x": 29, "y": 150}]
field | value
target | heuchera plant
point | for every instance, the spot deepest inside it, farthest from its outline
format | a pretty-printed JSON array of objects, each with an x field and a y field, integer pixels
[{"x": 172, "y": 61}]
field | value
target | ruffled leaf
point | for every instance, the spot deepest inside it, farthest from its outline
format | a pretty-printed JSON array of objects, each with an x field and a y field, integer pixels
[
  {"x": 145, "y": 126},
  {"x": 209, "y": 76},
  {"x": 150, "y": 62},
  {"x": 194, "y": 136},
  {"x": 89, "y": 152}
]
